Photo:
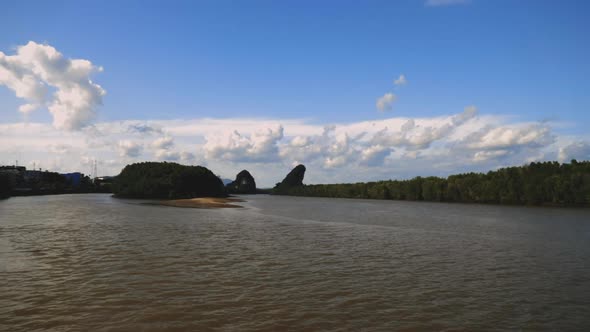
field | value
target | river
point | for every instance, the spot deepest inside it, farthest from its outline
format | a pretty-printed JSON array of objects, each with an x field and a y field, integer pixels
[{"x": 96, "y": 263}]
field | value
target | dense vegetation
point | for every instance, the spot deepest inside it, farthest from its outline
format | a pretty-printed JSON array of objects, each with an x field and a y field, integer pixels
[
  {"x": 166, "y": 180},
  {"x": 5, "y": 186},
  {"x": 42, "y": 183},
  {"x": 546, "y": 183},
  {"x": 48, "y": 183}
]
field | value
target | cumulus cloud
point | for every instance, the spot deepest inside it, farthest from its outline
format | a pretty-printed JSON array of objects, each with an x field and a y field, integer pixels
[
  {"x": 332, "y": 149},
  {"x": 187, "y": 157},
  {"x": 307, "y": 148},
  {"x": 28, "y": 108},
  {"x": 37, "y": 68},
  {"x": 339, "y": 151},
  {"x": 129, "y": 149},
  {"x": 261, "y": 146},
  {"x": 374, "y": 155},
  {"x": 365, "y": 145},
  {"x": 163, "y": 143},
  {"x": 441, "y": 3},
  {"x": 401, "y": 80},
  {"x": 521, "y": 142},
  {"x": 385, "y": 102},
  {"x": 165, "y": 150},
  {"x": 578, "y": 150},
  {"x": 416, "y": 137},
  {"x": 167, "y": 155},
  {"x": 143, "y": 128},
  {"x": 490, "y": 138},
  {"x": 300, "y": 141}
]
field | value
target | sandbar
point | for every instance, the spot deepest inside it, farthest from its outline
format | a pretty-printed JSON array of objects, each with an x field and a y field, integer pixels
[{"x": 203, "y": 202}]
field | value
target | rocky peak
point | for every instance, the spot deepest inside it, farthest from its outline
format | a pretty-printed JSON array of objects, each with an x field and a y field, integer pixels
[
  {"x": 293, "y": 179},
  {"x": 243, "y": 184}
]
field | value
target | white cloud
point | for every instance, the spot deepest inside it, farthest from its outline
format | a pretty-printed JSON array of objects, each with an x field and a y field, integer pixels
[
  {"x": 28, "y": 108},
  {"x": 163, "y": 143},
  {"x": 579, "y": 150},
  {"x": 144, "y": 128},
  {"x": 385, "y": 102},
  {"x": 493, "y": 138},
  {"x": 300, "y": 141},
  {"x": 441, "y": 3},
  {"x": 419, "y": 137},
  {"x": 129, "y": 149},
  {"x": 332, "y": 148},
  {"x": 339, "y": 151},
  {"x": 487, "y": 155},
  {"x": 187, "y": 157},
  {"x": 167, "y": 155},
  {"x": 519, "y": 142},
  {"x": 260, "y": 146},
  {"x": 401, "y": 80},
  {"x": 60, "y": 148},
  {"x": 35, "y": 68},
  {"x": 374, "y": 155}
]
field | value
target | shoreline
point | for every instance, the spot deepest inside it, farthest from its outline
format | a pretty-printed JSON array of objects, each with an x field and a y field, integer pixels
[{"x": 203, "y": 203}]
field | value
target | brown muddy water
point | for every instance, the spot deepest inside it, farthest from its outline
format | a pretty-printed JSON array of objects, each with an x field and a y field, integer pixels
[{"x": 95, "y": 263}]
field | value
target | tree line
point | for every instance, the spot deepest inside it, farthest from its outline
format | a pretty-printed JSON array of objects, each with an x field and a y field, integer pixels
[
  {"x": 538, "y": 183},
  {"x": 42, "y": 183},
  {"x": 5, "y": 186}
]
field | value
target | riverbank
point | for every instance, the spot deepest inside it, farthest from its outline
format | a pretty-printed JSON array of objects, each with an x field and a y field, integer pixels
[
  {"x": 203, "y": 202},
  {"x": 536, "y": 184}
]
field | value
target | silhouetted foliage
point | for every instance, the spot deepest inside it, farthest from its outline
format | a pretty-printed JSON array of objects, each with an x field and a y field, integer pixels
[
  {"x": 293, "y": 180},
  {"x": 18, "y": 181},
  {"x": 542, "y": 183},
  {"x": 38, "y": 183},
  {"x": 243, "y": 184},
  {"x": 5, "y": 186},
  {"x": 166, "y": 180}
]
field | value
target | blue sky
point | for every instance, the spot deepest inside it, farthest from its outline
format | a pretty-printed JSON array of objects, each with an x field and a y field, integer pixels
[{"x": 322, "y": 62}]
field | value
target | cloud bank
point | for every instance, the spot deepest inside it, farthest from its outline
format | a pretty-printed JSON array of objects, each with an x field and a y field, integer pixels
[{"x": 395, "y": 147}]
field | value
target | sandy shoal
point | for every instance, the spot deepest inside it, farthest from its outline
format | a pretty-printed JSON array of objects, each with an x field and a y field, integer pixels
[{"x": 203, "y": 202}]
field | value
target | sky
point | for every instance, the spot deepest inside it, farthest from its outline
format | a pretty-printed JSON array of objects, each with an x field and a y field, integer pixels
[{"x": 355, "y": 90}]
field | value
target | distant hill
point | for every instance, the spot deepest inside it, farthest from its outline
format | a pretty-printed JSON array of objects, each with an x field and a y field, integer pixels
[
  {"x": 226, "y": 181},
  {"x": 167, "y": 180}
]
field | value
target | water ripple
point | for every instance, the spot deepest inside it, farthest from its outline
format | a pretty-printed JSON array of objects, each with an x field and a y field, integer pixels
[{"x": 90, "y": 262}]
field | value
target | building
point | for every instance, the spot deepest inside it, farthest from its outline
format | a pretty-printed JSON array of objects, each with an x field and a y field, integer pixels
[{"x": 74, "y": 178}]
